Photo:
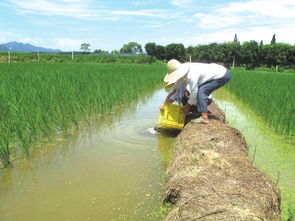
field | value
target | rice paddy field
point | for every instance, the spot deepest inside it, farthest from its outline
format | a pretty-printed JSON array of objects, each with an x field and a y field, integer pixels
[
  {"x": 41, "y": 101},
  {"x": 270, "y": 95}
]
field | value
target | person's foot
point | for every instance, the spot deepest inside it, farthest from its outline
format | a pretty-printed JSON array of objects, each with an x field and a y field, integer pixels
[{"x": 200, "y": 121}]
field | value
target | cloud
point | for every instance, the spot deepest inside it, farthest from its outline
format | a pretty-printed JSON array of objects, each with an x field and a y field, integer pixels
[
  {"x": 247, "y": 14},
  {"x": 81, "y": 9},
  {"x": 272, "y": 8},
  {"x": 68, "y": 43},
  {"x": 182, "y": 3},
  {"x": 208, "y": 21},
  {"x": 155, "y": 13}
]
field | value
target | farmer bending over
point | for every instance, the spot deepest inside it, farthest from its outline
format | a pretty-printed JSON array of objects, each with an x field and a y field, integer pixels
[
  {"x": 181, "y": 95},
  {"x": 176, "y": 94},
  {"x": 202, "y": 79}
]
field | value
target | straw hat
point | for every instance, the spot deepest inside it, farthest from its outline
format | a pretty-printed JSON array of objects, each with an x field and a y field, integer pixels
[{"x": 176, "y": 70}]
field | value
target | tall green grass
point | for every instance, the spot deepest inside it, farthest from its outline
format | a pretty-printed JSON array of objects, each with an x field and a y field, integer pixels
[
  {"x": 44, "y": 100},
  {"x": 271, "y": 95}
]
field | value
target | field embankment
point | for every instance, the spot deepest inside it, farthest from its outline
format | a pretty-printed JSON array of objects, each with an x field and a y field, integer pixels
[{"x": 212, "y": 178}]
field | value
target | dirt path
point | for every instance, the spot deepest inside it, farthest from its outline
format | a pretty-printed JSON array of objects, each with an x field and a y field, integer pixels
[{"x": 211, "y": 176}]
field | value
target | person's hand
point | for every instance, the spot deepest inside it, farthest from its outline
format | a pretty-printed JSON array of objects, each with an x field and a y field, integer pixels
[
  {"x": 162, "y": 107},
  {"x": 186, "y": 108}
]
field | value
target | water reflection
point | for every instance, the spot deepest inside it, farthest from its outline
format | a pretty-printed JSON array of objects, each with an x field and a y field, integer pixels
[{"x": 165, "y": 142}]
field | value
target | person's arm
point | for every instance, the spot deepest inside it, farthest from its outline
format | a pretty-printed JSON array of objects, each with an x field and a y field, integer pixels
[
  {"x": 194, "y": 87},
  {"x": 168, "y": 99},
  {"x": 186, "y": 108}
]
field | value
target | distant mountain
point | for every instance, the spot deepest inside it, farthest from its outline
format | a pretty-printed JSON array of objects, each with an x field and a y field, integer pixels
[
  {"x": 2, "y": 48},
  {"x": 21, "y": 47}
]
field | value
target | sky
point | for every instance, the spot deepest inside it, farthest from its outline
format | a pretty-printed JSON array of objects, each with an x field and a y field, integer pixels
[{"x": 108, "y": 24}]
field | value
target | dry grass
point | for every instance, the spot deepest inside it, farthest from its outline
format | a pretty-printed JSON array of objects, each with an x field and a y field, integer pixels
[{"x": 212, "y": 178}]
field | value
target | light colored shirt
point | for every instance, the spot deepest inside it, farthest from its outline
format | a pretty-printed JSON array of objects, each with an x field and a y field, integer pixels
[{"x": 200, "y": 73}]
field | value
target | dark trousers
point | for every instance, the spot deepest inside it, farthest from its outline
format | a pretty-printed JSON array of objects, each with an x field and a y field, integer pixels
[{"x": 207, "y": 88}]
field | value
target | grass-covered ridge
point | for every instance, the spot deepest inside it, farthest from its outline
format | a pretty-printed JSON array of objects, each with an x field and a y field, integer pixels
[
  {"x": 38, "y": 100},
  {"x": 271, "y": 95}
]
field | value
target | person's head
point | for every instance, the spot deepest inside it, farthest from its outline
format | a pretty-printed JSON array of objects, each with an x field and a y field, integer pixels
[{"x": 175, "y": 71}]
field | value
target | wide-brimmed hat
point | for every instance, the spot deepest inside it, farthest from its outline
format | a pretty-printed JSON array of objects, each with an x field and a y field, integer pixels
[{"x": 176, "y": 70}]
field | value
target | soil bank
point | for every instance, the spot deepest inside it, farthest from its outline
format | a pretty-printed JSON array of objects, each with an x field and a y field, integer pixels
[{"x": 211, "y": 176}]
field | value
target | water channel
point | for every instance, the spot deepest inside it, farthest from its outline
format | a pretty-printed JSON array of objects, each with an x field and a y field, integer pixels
[{"x": 115, "y": 169}]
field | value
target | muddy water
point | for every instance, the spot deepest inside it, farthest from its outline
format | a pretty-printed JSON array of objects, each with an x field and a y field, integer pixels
[
  {"x": 269, "y": 152},
  {"x": 112, "y": 170}
]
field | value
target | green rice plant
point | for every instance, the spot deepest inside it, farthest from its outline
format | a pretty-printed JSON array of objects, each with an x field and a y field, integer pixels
[
  {"x": 46, "y": 100},
  {"x": 291, "y": 215},
  {"x": 4, "y": 146},
  {"x": 271, "y": 95}
]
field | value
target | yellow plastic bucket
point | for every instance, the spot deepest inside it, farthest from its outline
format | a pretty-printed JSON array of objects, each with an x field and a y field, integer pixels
[{"x": 171, "y": 117}]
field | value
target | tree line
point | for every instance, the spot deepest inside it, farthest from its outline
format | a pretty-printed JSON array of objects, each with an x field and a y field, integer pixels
[{"x": 249, "y": 54}]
